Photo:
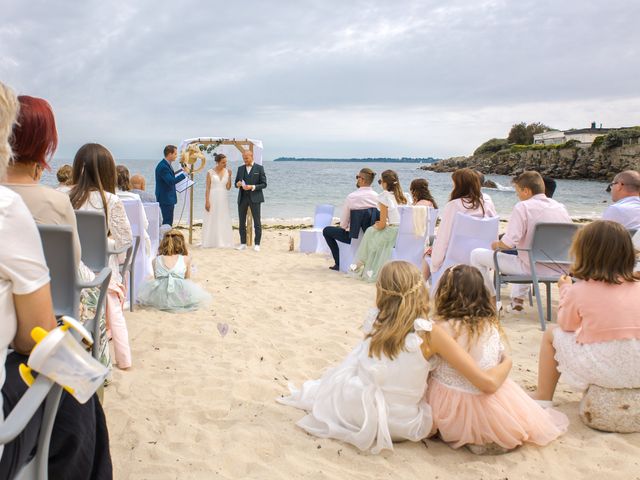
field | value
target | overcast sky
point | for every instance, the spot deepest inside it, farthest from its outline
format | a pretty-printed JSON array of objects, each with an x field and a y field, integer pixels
[{"x": 331, "y": 78}]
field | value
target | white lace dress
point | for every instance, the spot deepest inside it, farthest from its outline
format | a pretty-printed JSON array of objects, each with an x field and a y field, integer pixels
[
  {"x": 119, "y": 228},
  {"x": 369, "y": 402},
  {"x": 612, "y": 364},
  {"x": 216, "y": 223}
]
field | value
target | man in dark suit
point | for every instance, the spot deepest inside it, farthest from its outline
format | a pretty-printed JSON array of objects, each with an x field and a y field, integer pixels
[
  {"x": 166, "y": 181},
  {"x": 250, "y": 180}
]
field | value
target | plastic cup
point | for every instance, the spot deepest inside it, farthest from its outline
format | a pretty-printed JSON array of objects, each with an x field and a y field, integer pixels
[{"x": 61, "y": 357}]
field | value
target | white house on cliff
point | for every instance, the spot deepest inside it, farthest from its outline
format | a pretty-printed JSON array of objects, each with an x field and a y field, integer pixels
[{"x": 583, "y": 135}]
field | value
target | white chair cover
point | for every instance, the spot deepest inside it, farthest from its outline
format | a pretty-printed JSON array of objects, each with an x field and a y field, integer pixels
[
  {"x": 348, "y": 251},
  {"x": 153, "y": 216},
  {"x": 409, "y": 246},
  {"x": 138, "y": 219},
  {"x": 467, "y": 234},
  {"x": 311, "y": 239}
]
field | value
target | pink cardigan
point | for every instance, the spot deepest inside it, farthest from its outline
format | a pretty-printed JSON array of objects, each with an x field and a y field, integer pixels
[{"x": 599, "y": 311}]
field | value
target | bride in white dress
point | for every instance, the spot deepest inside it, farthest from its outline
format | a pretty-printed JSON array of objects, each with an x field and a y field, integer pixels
[{"x": 216, "y": 225}]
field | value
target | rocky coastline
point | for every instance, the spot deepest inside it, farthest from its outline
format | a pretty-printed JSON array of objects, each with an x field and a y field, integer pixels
[{"x": 570, "y": 162}]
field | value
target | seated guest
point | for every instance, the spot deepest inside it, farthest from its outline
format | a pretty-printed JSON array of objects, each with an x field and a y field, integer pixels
[
  {"x": 79, "y": 445},
  {"x": 507, "y": 418},
  {"x": 533, "y": 208},
  {"x": 420, "y": 193},
  {"x": 625, "y": 192},
  {"x": 466, "y": 197},
  {"x": 597, "y": 339},
  {"x": 549, "y": 186},
  {"x": 94, "y": 179},
  {"x": 362, "y": 198},
  {"x": 124, "y": 193},
  {"x": 378, "y": 242},
  {"x": 377, "y": 394},
  {"x": 138, "y": 184},
  {"x": 64, "y": 178},
  {"x": 123, "y": 184},
  {"x": 34, "y": 141}
]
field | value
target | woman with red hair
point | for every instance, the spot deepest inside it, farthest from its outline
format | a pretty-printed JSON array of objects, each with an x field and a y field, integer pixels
[{"x": 34, "y": 141}]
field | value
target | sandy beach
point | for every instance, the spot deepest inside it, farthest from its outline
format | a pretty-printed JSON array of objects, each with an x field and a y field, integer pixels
[{"x": 200, "y": 405}]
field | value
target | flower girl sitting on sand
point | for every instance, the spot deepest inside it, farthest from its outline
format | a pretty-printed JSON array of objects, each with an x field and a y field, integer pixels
[
  {"x": 171, "y": 289},
  {"x": 462, "y": 414},
  {"x": 377, "y": 394}
]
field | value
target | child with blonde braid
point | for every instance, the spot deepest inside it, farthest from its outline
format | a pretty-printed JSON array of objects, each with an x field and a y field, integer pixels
[
  {"x": 171, "y": 289},
  {"x": 378, "y": 242},
  {"x": 462, "y": 414},
  {"x": 376, "y": 395}
]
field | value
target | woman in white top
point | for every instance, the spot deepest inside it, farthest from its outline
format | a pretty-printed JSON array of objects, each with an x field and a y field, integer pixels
[
  {"x": 378, "y": 242},
  {"x": 466, "y": 197},
  {"x": 94, "y": 179},
  {"x": 216, "y": 224}
]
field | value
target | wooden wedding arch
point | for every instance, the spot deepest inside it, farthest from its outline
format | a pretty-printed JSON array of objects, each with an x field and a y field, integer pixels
[{"x": 192, "y": 154}]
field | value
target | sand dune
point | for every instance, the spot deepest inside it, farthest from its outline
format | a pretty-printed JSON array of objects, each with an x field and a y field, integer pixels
[{"x": 199, "y": 405}]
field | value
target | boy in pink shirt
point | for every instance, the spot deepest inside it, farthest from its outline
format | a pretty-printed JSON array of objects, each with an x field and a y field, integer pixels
[{"x": 534, "y": 207}]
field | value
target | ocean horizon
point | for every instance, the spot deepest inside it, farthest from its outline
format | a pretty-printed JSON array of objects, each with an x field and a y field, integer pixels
[{"x": 294, "y": 188}]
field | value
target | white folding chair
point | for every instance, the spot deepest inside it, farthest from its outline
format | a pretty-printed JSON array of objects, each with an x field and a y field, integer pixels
[
  {"x": 153, "y": 216},
  {"x": 467, "y": 234},
  {"x": 141, "y": 262},
  {"x": 311, "y": 239},
  {"x": 409, "y": 246}
]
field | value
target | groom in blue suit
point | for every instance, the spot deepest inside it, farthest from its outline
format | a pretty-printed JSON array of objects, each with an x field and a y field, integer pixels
[{"x": 166, "y": 184}]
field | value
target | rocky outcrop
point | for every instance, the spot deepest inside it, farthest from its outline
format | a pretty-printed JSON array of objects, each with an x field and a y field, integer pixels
[
  {"x": 595, "y": 163},
  {"x": 611, "y": 410}
]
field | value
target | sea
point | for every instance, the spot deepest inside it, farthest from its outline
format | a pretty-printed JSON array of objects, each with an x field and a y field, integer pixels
[{"x": 295, "y": 188}]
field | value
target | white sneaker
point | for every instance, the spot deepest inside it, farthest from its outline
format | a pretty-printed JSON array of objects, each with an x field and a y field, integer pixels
[
  {"x": 256, "y": 248},
  {"x": 241, "y": 247}
]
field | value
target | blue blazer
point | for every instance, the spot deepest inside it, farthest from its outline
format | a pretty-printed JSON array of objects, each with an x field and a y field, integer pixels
[{"x": 166, "y": 183}]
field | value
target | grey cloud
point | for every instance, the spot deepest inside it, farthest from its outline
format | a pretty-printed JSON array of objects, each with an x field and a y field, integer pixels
[{"x": 149, "y": 70}]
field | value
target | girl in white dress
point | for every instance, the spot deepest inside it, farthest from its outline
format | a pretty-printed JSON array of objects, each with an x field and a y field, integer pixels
[
  {"x": 216, "y": 225},
  {"x": 376, "y": 395}
]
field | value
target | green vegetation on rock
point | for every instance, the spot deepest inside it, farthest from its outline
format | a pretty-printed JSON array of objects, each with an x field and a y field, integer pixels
[{"x": 493, "y": 145}]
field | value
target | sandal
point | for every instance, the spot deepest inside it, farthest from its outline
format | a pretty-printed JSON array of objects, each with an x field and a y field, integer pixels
[{"x": 517, "y": 305}]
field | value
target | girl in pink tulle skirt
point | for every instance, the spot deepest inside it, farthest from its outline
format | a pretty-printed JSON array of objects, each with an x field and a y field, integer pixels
[{"x": 462, "y": 414}]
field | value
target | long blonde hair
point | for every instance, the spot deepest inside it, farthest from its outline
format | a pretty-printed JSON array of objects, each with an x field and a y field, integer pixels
[
  {"x": 463, "y": 299},
  {"x": 173, "y": 243},
  {"x": 8, "y": 113},
  {"x": 401, "y": 297}
]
